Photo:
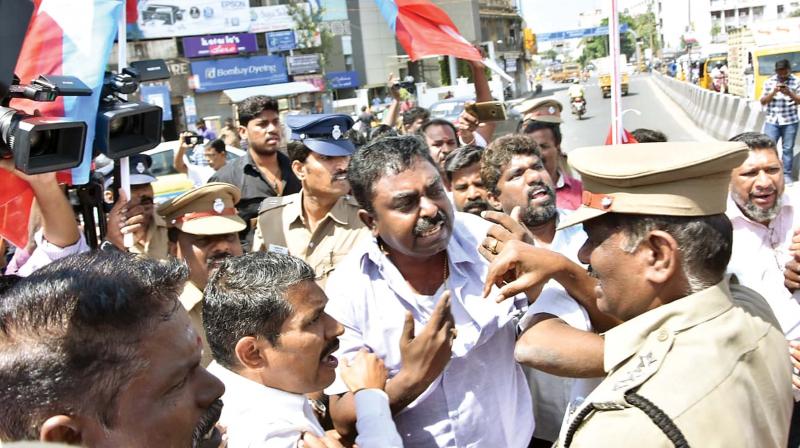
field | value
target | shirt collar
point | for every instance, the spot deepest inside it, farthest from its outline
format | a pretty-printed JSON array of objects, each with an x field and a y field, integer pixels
[
  {"x": 337, "y": 213},
  {"x": 624, "y": 340},
  {"x": 243, "y": 390}
]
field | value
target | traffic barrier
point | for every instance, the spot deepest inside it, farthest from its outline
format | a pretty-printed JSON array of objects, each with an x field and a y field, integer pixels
[{"x": 719, "y": 114}]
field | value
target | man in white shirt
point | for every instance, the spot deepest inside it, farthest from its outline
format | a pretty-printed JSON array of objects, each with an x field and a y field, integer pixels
[
  {"x": 454, "y": 379},
  {"x": 272, "y": 343},
  {"x": 204, "y": 165}
]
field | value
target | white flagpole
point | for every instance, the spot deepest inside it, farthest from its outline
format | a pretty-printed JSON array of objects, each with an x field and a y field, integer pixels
[
  {"x": 124, "y": 162},
  {"x": 616, "y": 94}
]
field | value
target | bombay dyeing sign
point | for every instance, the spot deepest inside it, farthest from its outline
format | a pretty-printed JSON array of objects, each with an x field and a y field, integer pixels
[
  {"x": 233, "y": 73},
  {"x": 203, "y": 46}
]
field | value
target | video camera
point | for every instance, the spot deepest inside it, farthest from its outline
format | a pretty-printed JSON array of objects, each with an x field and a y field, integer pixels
[
  {"x": 37, "y": 144},
  {"x": 125, "y": 128}
]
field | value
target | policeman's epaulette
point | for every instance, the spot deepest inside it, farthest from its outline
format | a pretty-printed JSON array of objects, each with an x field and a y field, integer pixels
[{"x": 274, "y": 202}]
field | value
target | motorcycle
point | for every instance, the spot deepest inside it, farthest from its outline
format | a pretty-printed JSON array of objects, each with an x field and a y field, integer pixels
[{"x": 578, "y": 106}]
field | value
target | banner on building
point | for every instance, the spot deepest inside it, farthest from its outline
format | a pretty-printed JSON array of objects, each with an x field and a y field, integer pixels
[
  {"x": 171, "y": 18},
  {"x": 283, "y": 40},
  {"x": 303, "y": 64},
  {"x": 205, "y": 46},
  {"x": 232, "y": 73},
  {"x": 343, "y": 80},
  {"x": 273, "y": 18},
  {"x": 316, "y": 80}
]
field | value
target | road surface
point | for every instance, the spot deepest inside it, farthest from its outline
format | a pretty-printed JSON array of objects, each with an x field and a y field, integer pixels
[{"x": 648, "y": 107}]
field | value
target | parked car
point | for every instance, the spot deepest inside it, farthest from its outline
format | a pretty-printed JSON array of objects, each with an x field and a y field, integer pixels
[
  {"x": 450, "y": 109},
  {"x": 170, "y": 182}
]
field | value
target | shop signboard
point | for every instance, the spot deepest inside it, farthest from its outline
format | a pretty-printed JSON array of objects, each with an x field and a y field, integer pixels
[
  {"x": 233, "y": 73},
  {"x": 172, "y": 18},
  {"x": 302, "y": 64},
  {"x": 219, "y": 44},
  {"x": 273, "y": 18},
  {"x": 343, "y": 80},
  {"x": 283, "y": 40}
]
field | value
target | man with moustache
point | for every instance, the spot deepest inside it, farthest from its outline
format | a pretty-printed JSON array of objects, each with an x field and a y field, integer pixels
[
  {"x": 96, "y": 352},
  {"x": 272, "y": 343},
  {"x": 205, "y": 230},
  {"x": 454, "y": 380},
  {"x": 319, "y": 224},
  {"x": 264, "y": 171},
  {"x": 658, "y": 244},
  {"x": 441, "y": 137},
  {"x": 463, "y": 170}
]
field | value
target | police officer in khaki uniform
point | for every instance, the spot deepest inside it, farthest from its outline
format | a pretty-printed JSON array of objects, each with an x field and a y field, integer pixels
[
  {"x": 205, "y": 230},
  {"x": 544, "y": 110},
  {"x": 136, "y": 216},
  {"x": 319, "y": 224},
  {"x": 690, "y": 365}
]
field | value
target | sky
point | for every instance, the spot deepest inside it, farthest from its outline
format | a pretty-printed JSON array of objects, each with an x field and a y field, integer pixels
[{"x": 542, "y": 17}]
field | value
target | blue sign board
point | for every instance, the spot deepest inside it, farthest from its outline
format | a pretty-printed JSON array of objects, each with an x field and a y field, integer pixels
[
  {"x": 579, "y": 33},
  {"x": 281, "y": 41},
  {"x": 342, "y": 80},
  {"x": 233, "y": 73},
  {"x": 157, "y": 95}
]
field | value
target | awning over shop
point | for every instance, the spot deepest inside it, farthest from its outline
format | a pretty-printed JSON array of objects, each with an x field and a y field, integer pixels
[{"x": 273, "y": 90}]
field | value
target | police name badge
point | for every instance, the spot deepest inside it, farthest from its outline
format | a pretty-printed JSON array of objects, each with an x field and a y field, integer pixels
[
  {"x": 275, "y": 249},
  {"x": 218, "y": 206}
]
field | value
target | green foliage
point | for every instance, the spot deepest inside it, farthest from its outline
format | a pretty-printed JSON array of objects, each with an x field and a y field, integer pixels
[
  {"x": 597, "y": 47},
  {"x": 551, "y": 54},
  {"x": 795, "y": 13},
  {"x": 462, "y": 70},
  {"x": 308, "y": 26}
]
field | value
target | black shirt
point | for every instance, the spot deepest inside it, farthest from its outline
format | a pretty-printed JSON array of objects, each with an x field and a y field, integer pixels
[{"x": 243, "y": 173}]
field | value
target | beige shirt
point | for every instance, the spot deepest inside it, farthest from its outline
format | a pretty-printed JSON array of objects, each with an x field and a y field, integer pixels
[
  {"x": 282, "y": 227},
  {"x": 717, "y": 366},
  {"x": 156, "y": 244},
  {"x": 192, "y": 300}
]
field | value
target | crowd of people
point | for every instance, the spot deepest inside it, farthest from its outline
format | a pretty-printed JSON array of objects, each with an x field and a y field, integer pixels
[{"x": 423, "y": 284}]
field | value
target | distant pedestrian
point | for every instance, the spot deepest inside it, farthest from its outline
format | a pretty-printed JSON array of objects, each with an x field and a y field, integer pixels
[
  {"x": 207, "y": 134},
  {"x": 780, "y": 98}
]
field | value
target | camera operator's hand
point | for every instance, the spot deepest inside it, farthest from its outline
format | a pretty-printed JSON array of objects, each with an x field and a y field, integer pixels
[
  {"x": 394, "y": 87},
  {"x": 365, "y": 371},
  {"x": 59, "y": 226},
  {"x": 128, "y": 217}
]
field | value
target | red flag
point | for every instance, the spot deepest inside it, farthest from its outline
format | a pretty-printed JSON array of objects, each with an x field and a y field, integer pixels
[
  {"x": 131, "y": 11},
  {"x": 627, "y": 137},
  {"x": 425, "y": 30}
]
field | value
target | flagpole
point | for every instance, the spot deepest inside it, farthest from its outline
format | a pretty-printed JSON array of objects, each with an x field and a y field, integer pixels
[
  {"x": 124, "y": 162},
  {"x": 616, "y": 95}
]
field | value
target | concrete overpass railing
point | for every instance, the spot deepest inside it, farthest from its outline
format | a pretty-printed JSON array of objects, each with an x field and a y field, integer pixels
[{"x": 718, "y": 114}]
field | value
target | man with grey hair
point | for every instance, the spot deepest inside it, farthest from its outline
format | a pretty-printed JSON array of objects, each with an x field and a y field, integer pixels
[
  {"x": 272, "y": 343},
  {"x": 764, "y": 215}
]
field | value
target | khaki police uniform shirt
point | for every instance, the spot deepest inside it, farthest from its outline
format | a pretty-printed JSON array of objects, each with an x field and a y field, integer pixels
[
  {"x": 156, "y": 242},
  {"x": 192, "y": 300},
  {"x": 718, "y": 367},
  {"x": 282, "y": 227}
]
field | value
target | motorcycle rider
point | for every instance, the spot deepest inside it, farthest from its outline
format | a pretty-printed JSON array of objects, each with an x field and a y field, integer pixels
[{"x": 576, "y": 93}]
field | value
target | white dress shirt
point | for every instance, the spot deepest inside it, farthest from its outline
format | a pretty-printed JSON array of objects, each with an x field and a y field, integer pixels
[
  {"x": 760, "y": 253},
  {"x": 261, "y": 416},
  {"x": 481, "y": 399}
]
